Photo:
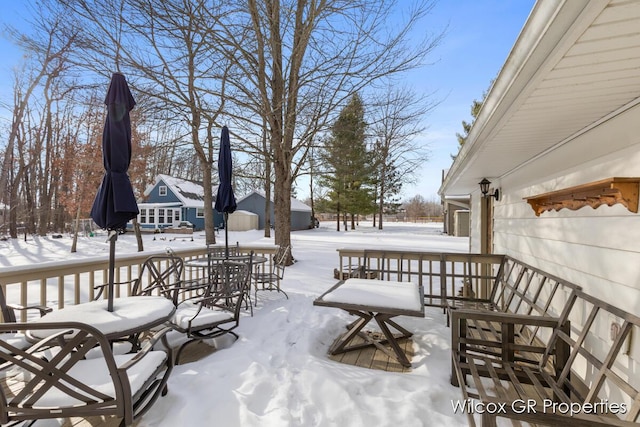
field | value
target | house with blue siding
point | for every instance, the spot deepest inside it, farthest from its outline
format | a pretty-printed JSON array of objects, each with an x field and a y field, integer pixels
[{"x": 170, "y": 201}]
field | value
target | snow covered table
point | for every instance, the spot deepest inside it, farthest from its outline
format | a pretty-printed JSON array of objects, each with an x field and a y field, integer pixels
[
  {"x": 130, "y": 315},
  {"x": 377, "y": 300}
]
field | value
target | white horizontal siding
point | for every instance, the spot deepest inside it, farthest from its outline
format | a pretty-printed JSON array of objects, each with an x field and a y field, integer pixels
[{"x": 598, "y": 249}]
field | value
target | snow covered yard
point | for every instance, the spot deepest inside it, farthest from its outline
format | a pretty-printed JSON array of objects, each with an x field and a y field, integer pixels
[{"x": 278, "y": 372}]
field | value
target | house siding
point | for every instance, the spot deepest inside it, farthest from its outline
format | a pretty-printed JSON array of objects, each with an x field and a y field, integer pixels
[
  {"x": 254, "y": 202},
  {"x": 155, "y": 197},
  {"x": 597, "y": 249}
]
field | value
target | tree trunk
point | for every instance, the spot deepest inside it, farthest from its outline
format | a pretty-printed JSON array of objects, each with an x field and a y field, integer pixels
[
  {"x": 381, "y": 207},
  {"x": 209, "y": 226},
  {"x": 136, "y": 229},
  {"x": 74, "y": 245},
  {"x": 282, "y": 207}
]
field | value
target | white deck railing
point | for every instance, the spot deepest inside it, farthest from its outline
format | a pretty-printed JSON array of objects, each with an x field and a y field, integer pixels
[{"x": 55, "y": 284}]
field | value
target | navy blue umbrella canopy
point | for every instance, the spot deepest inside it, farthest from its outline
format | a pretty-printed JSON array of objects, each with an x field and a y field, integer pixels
[
  {"x": 115, "y": 204},
  {"x": 225, "y": 199}
]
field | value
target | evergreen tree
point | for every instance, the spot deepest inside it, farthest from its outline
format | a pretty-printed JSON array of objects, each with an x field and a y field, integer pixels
[
  {"x": 476, "y": 106},
  {"x": 348, "y": 163}
]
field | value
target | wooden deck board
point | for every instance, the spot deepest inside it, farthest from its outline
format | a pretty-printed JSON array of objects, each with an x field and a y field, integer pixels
[{"x": 372, "y": 358}]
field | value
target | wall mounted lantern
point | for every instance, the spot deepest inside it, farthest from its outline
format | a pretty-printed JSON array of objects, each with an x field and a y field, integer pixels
[{"x": 484, "y": 189}]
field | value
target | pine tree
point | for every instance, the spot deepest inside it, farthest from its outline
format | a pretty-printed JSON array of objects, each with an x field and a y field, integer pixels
[
  {"x": 348, "y": 163},
  {"x": 476, "y": 106}
]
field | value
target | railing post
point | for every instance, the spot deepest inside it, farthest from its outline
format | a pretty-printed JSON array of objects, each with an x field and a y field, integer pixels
[{"x": 443, "y": 280}]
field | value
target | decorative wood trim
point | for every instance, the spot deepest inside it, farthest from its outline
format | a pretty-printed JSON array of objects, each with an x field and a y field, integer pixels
[{"x": 606, "y": 192}]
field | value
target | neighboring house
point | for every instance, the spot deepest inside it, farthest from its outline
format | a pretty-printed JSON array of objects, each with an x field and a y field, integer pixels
[
  {"x": 255, "y": 202},
  {"x": 172, "y": 200},
  {"x": 563, "y": 117}
]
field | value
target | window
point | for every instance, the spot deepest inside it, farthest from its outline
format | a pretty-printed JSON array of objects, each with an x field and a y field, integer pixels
[
  {"x": 200, "y": 212},
  {"x": 176, "y": 215},
  {"x": 152, "y": 216},
  {"x": 160, "y": 216},
  {"x": 169, "y": 216},
  {"x": 162, "y": 190},
  {"x": 143, "y": 216}
]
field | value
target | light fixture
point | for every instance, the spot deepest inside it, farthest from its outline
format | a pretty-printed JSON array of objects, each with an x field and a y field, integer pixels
[{"x": 484, "y": 189}]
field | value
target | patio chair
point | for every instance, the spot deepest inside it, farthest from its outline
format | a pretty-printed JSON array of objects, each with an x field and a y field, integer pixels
[
  {"x": 54, "y": 379},
  {"x": 217, "y": 311},
  {"x": 270, "y": 281},
  {"x": 158, "y": 275},
  {"x": 220, "y": 251},
  {"x": 15, "y": 338}
]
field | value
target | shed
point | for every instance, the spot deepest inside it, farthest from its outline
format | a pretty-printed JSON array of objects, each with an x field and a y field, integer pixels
[{"x": 241, "y": 220}]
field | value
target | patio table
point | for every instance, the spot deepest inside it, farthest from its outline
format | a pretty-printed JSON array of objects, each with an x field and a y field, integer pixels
[
  {"x": 130, "y": 316},
  {"x": 204, "y": 262},
  {"x": 212, "y": 261},
  {"x": 377, "y": 300}
]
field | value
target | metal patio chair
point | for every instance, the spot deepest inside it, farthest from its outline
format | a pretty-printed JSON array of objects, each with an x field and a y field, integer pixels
[
  {"x": 217, "y": 311},
  {"x": 158, "y": 275},
  {"x": 54, "y": 378},
  {"x": 16, "y": 338},
  {"x": 270, "y": 281}
]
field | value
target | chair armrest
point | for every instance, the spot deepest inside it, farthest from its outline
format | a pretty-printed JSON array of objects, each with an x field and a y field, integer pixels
[
  {"x": 179, "y": 291},
  {"x": 101, "y": 288},
  {"x": 43, "y": 309},
  {"x": 149, "y": 346},
  {"x": 504, "y": 318}
]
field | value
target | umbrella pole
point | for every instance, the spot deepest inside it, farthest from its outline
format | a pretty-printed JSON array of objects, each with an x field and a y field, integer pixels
[
  {"x": 226, "y": 235},
  {"x": 113, "y": 236}
]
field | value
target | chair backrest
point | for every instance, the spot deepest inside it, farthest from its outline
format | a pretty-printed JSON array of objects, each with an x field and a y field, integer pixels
[
  {"x": 54, "y": 379},
  {"x": 220, "y": 251},
  {"x": 234, "y": 275},
  {"x": 234, "y": 279},
  {"x": 281, "y": 261},
  {"x": 8, "y": 315},
  {"x": 158, "y": 275}
]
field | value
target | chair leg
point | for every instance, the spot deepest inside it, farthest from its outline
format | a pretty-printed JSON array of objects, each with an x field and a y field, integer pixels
[{"x": 268, "y": 287}]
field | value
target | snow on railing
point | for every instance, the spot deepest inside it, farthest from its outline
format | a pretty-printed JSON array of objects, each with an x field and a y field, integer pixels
[
  {"x": 56, "y": 284},
  {"x": 443, "y": 275}
]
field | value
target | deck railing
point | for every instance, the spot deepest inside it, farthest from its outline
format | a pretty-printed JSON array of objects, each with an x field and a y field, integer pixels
[
  {"x": 443, "y": 275},
  {"x": 55, "y": 284}
]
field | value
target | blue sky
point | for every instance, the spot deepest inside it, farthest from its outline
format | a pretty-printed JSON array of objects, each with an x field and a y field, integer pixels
[{"x": 479, "y": 38}]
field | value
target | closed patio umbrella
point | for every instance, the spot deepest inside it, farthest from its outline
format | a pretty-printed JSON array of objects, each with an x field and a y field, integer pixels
[
  {"x": 225, "y": 199},
  {"x": 115, "y": 204}
]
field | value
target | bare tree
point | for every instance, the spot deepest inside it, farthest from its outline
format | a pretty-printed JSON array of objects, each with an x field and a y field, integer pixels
[
  {"x": 288, "y": 64},
  {"x": 48, "y": 57},
  {"x": 305, "y": 59},
  {"x": 165, "y": 48},
  {"x": 396, "y": 118}
]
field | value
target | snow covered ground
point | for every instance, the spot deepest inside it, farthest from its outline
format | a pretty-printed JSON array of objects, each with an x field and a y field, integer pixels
[{"x": 278, "y": 372}]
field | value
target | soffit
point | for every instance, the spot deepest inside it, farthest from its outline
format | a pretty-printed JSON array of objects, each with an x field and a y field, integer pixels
[{"x": 557, "y": 91}]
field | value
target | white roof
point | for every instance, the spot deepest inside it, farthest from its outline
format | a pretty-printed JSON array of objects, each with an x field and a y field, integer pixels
[{"x": 190, "y": 193}]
